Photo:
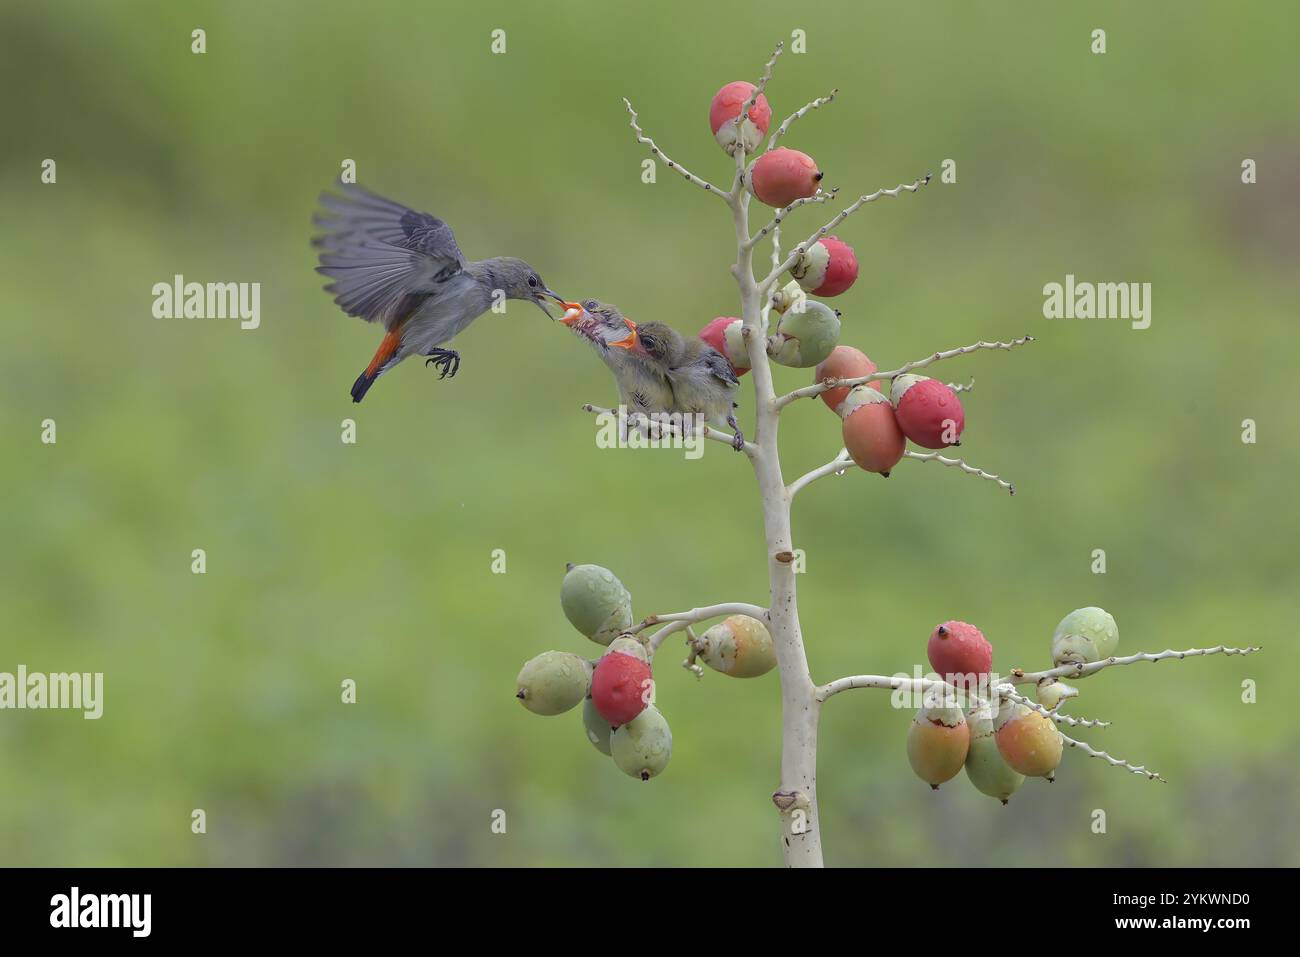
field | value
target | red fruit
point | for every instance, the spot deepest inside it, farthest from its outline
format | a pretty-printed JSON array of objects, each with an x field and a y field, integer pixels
[
  {"x": 929, "y": 412},
  {"x": 620, "y": 687},
  {"x": 827, "y": 268},
  {"x": 959, "y": 653},
  {"x": 723, "y": 333},
  {"x": 844, "y": 362},
  {"x": 727, "y": 104},
  {"x": 780, "y": 177},
  {"x": 871, "y": 433}
]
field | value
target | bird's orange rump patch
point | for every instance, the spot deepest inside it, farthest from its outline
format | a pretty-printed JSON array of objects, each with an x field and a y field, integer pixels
[{"x": 387, "y": 348}]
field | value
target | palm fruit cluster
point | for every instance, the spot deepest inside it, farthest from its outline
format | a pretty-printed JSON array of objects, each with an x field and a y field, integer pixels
[
  {"x": 616, "y": 690},
  {"x": 999, "y": 744},
  {"x": 877, "y": 421},
  {"x": 875, "y": 427}
]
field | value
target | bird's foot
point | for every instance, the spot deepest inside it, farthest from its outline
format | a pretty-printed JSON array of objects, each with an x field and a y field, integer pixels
[
  {"x": 448, "y": 360},
  {"x": 738, "y": 440}
]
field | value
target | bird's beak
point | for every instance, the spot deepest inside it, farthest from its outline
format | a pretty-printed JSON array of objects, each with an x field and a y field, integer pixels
[
  {"x": 631, "y": 341},
  {"x": 572, "y": 312},
  {"x": 542, "y": 305}
]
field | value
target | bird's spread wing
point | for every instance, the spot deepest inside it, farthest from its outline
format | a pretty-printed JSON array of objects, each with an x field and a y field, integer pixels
[{"x": 383, "y": 257}]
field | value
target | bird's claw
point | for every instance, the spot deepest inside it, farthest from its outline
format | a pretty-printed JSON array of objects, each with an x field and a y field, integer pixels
[
  {"x": 448, "y": 360},
  {"x": 737, "y": 440}
]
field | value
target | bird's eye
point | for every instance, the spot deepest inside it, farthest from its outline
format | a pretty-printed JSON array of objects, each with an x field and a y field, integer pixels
[
  {"x": 591, "y": 305},
  {"x": 532, "y": 281}
]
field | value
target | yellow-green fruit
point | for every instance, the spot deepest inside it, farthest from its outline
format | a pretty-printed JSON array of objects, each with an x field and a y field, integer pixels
[
  {"x": 597, "y": 728},
  {"x": 595, "y": 602},
  {"x": 1028, "y": 740},
  {"x": 642, "y": 747},
  {"x": 1084, "y": 635},
  {"x": 553, "y": 682},
  {"x": 984, "y": 763},
  {"x": 739, "y": 646},
  {"x": 937, "y": 743},
  {"x": 1051, "y": 693},
  {"x": 787, "y": 296}
]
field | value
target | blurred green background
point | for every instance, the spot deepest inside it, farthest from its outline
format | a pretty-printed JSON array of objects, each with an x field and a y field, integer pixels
[{"x": 373, "y": 562}]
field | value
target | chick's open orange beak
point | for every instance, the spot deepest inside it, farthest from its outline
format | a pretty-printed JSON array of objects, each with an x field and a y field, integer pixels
[
  {"x": 631, "y": 341},
  {"x": 572, "y": 312}
]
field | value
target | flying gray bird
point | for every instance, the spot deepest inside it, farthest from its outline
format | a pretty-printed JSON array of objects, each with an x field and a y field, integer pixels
[
  {"x": 703, "y": 381},
  {"x": 642, "y": 383},
  {"x": 403, "y": 269}
]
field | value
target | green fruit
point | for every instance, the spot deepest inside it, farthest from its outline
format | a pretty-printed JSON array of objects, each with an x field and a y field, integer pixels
[
  {"x": 595, "y": 602},
  {"x": 642, "y": 747},
  {"x": 937, "y": 743},
  {"x": 1084, "y": 635},
  {"x": 597, "y": 728},
  {"x": 804, "y": 337},
  {"x": 739, "y": 646},
  {"x": 553, "y": 682},
  {"x": 985, "y": 767}
]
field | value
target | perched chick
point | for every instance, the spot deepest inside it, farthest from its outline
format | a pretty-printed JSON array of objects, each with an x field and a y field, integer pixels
[
  {"x": 701, "y": 378},
  {"x": 642, "y": 385}
]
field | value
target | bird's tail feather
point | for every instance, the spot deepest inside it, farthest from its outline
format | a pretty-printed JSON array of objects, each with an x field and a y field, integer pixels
[{"x": 362, "y": 386}]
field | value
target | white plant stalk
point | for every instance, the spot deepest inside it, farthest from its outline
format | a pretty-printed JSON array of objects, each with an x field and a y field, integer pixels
[{"x": 801, "y": 697}]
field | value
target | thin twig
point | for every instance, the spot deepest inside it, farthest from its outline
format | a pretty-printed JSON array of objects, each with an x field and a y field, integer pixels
[
  {"x": 885, "y": 682},
  {"x": 844, "y": 214},
  {"x": 692, "y": 643},
  {"x": 759, "y": 88},
  {"x": 959, "y": 464},
  {"x": 704, "y": 613},
  {"x": 799, "y": 114},
  {"x": 1006, "y": 692},
  {"x": 950, "y": 692},
  {"x": 663, "y": 157},
  {"x": 821, "y": 196},
  {"x": 1079, "y": 670},
  {"x": 659, "y": 636},
  {"x": 1117, "y": 762},
  {"x": 817, "y": 388},
  {"x": 836, "y": 466},
  {"x": 664, "y": 428}
]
